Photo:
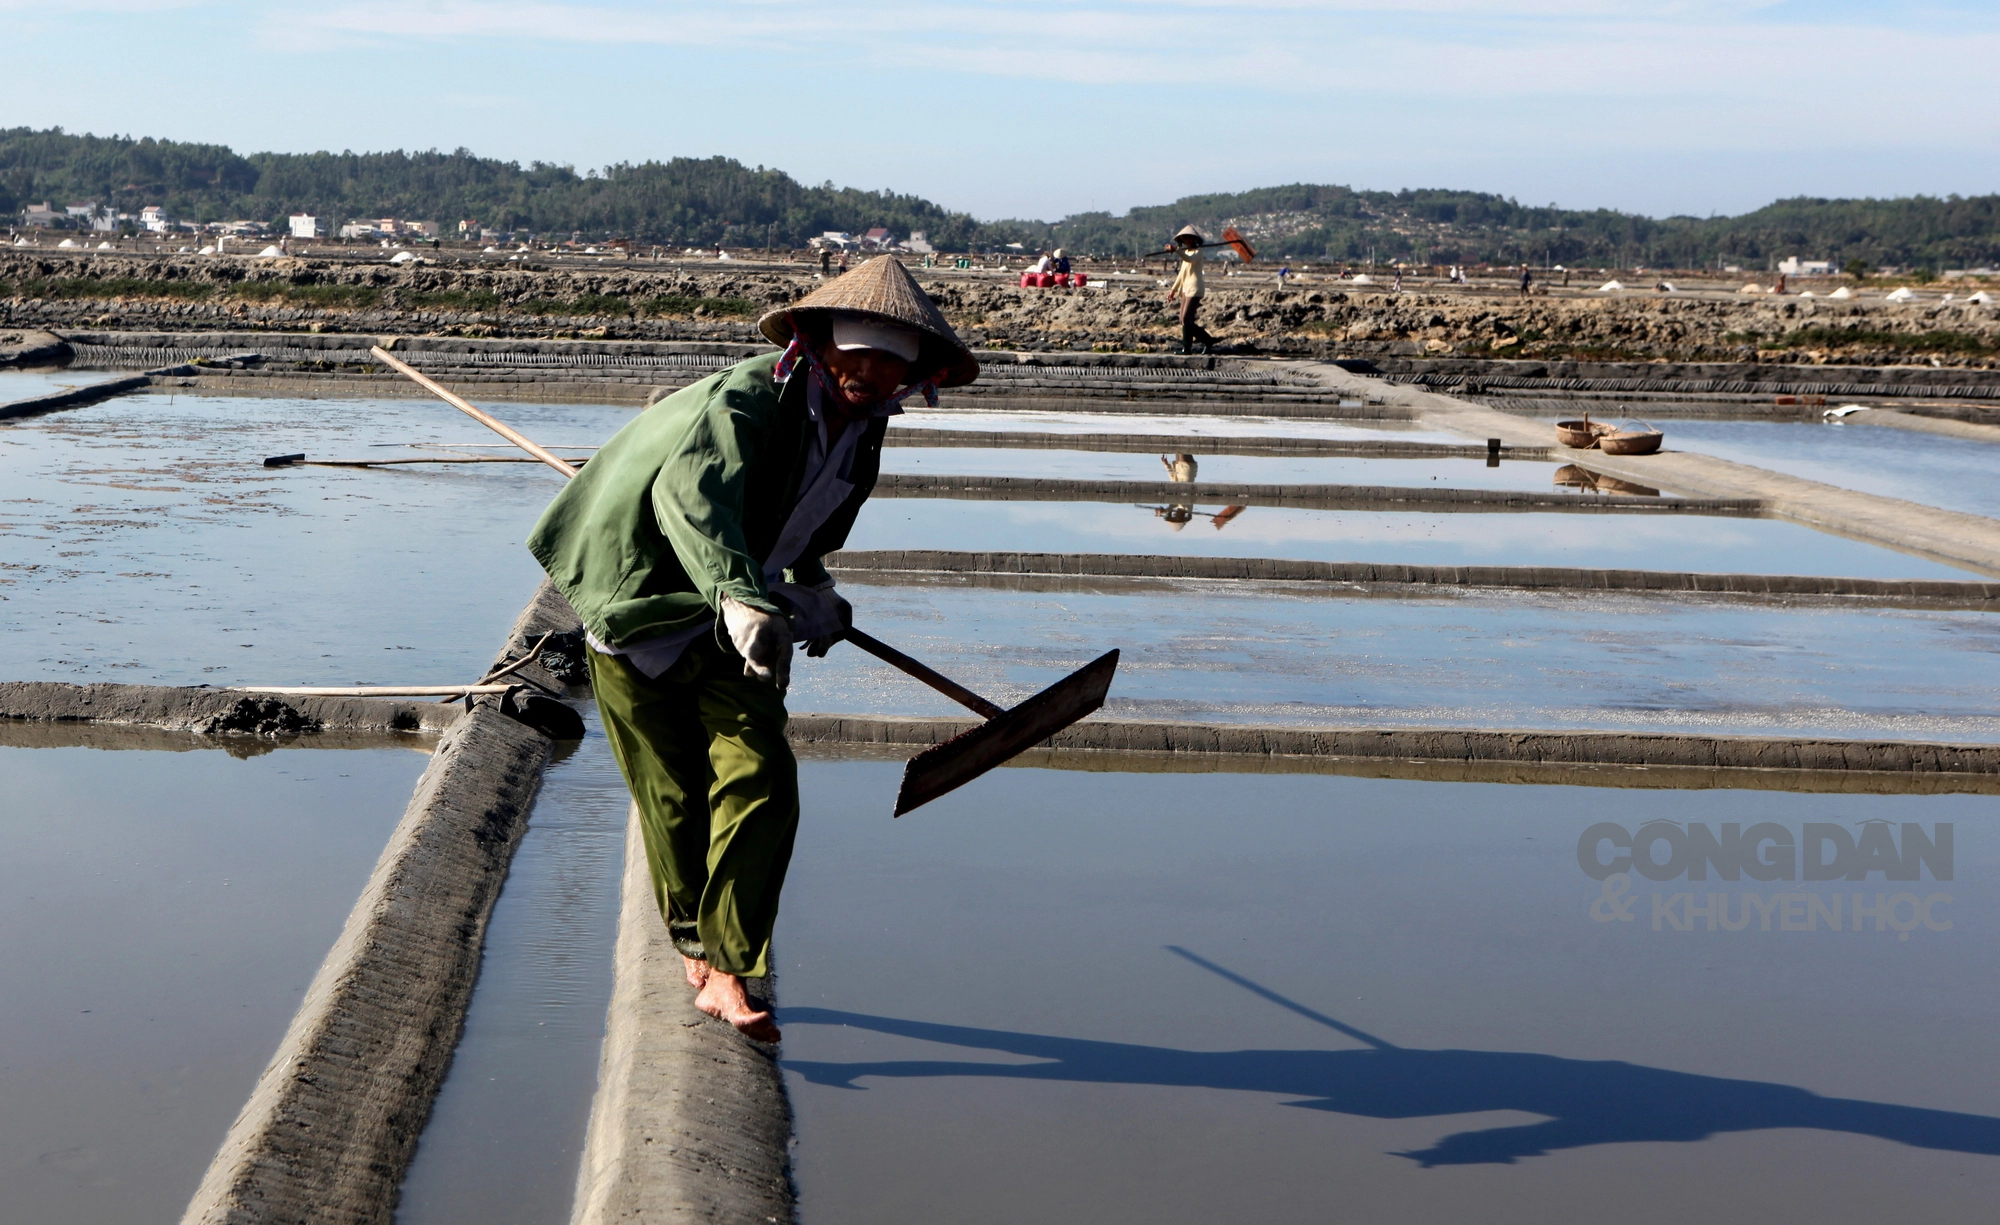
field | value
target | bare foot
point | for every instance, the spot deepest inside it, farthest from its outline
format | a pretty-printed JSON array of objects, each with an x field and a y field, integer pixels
[
  {"x": 697, "y": 971},
  {"x": 723, "y": 998}
]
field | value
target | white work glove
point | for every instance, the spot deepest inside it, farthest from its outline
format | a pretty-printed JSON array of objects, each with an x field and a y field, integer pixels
[
  {"x": 819, "y": 614},
  {"x": 762, "y": 639}
]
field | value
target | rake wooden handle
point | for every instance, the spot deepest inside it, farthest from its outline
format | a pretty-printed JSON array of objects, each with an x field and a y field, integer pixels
[
  {"x": 497, "y": 426},
  {"x": 936, "y": 680},
  {"x": 874, "y": 646}
]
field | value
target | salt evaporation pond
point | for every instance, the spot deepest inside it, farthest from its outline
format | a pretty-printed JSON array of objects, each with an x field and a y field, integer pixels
[
  {"x": 1199, "y": 998},
  {"x": 506, "y": 1134},
  {"x": 1241, "y": 652},
  {"x": 142, "y": 540},
  {"x": 948, "y": 417},
  {"x": 1932, "y": 469},
  {"x": 1529, "y": 475},
  {"x": 164, "y": 911},
  {"x": 28, "y": 384},
  {"x": 1643, "y": 541}
]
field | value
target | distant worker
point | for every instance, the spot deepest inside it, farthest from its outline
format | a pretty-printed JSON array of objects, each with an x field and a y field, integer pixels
[
  {"x": 825, "y": 261},
  {"x": 1047, "y": 263},
  {"x": 1527, "y": 280},
  {"x": 1059, "y": 263},
  {"x": 1180, "y": 468},
  {"x": 1187, "y": 288},
  {"x": 1780, "y": 286},
  {"x": 1398, "y": 287}
]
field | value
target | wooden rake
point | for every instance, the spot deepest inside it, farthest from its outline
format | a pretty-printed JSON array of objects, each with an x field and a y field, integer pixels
[{"x": 945, "y": 766}]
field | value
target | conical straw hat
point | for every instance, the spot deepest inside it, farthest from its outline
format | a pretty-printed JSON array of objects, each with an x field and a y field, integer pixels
[
  {"x": 882, "y": 287},
  {"x": 1188, "y": 231}
]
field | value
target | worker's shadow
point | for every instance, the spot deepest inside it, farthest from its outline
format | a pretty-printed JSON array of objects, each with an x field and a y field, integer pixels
[{"x": 1583, "y": 1103}]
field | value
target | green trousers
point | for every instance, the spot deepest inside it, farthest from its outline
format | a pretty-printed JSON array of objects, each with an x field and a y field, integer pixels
[{"x": 703, "y": 749}]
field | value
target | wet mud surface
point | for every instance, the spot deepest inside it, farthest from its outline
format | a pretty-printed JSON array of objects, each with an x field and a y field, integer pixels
[
  {"x": 507, "y": 1130},
  {"x": 1237, "y": 653},
  {"x": 1225, "y": 997},
  {"x": 1663, "y": 542},
  {"x": 163, "y": 913}
]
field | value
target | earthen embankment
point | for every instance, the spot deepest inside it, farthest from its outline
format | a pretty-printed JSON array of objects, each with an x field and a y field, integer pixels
[{"x": 638, "y": 299}]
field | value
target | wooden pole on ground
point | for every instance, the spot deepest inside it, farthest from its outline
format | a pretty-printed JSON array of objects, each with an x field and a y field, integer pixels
[{"x": 492, "y": 423}]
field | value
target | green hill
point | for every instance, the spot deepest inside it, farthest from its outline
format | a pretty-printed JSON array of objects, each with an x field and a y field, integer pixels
[{"x": 719, "y": 200}]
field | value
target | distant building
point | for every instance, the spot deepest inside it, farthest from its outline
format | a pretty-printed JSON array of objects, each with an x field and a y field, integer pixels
[
  {"x": 920, "y": 243},
  {"x": 839, "y": 240},
  {"x": 877, "y": 237},
  {"x": 427, "y": 229},
  {"x": 304, "y": 225},
  {"x": 241, "y": 227},
  {"x": 154, "y": 217},
  {"x": 84, "y": 211},
  {"x": 1794, "y": 266},
  {"x": 39, "y": 214}
]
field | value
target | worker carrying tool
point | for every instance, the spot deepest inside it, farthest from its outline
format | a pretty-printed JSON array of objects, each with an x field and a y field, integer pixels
[
  {"x": 1186, "y": 287},
  {"x": 690, "y": 546}
]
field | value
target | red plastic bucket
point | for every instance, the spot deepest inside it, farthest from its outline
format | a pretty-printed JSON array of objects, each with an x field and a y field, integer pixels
[
  {"x": 1027, "y": 280},
  {"x": 1079, "y": 280}
]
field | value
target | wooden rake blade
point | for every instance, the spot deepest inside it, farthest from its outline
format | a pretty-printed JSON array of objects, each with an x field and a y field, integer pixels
[{"x": 959, "y": 760}]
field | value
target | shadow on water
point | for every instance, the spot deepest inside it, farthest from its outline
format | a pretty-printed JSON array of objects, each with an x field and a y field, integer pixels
[{"x": 1584, "y": 1103}]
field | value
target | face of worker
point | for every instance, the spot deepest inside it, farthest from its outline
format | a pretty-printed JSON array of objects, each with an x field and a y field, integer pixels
[{"x": 864, "y": 376}]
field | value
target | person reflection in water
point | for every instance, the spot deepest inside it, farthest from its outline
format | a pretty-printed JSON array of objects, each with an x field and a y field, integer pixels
[{"x": 1182, "y": 469}]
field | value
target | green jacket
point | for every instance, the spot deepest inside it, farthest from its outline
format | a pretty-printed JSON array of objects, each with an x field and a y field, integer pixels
[{"x": 683, "y": 505}]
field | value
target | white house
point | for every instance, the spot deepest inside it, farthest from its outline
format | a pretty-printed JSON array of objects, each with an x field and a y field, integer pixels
[
  {"x": 153, "y": 217},
  {"x": 919, "y": 242},
  {"x": 305, "y": 225},
  {"x": 39, "y": 214},
  {"x": 1792, "y": 265}
]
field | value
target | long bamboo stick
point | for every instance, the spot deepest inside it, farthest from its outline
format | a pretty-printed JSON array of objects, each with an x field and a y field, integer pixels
[{"x": 492, "y": 423}]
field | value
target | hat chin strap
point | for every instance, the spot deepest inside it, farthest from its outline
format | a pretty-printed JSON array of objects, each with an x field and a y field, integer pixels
[{"x": 799, "y": 350}]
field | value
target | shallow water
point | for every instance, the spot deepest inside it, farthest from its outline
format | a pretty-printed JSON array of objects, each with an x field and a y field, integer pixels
[
  {"x": 1243, "y": 653},
  {"x": 1928, "y": 468},
  {"x": 946, "y": 417},
  {"x": 27, "y": 384},
  {"x": 1200, "y": 998},
  {"x": 142, "y": 540},
  {"x": 163, "y": 913},
  {"x": 1711, "y": 544},
  {"x": 507, "y": 1132},
  {"x": 1527, "y": 475}
]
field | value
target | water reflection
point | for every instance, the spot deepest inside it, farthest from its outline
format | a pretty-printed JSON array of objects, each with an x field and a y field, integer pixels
[
  {"x": 1595, "y": 482},
  {"x": 1182, "y": 468}
]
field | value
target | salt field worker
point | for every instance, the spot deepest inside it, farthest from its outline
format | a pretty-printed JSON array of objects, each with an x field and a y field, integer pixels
[
  {"x": 690, "y": 546},
  {"x": 1187, "y": 288}
]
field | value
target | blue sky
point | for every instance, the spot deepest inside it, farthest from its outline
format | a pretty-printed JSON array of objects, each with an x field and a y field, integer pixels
[{"x": 1041, "y": 109}]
